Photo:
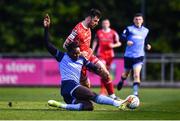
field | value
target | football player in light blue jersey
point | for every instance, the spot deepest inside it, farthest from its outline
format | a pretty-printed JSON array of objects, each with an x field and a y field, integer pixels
[
  {"x": 135, "y": 38},
  {"x": 76, "y": 96}
]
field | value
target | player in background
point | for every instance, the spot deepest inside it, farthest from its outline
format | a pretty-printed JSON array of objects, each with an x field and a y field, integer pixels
[
  {"x": 76, "y": 96},
  {"x": 106, "y": 39},
  {"x": 135, "y": 37},
  {"x": 82, "y": 34}
]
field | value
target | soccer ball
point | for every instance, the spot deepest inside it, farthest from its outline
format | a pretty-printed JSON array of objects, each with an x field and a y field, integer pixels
[{"x": 134, "y": 103}]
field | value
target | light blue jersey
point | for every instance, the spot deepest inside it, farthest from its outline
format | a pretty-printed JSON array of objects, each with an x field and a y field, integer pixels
[
  {"x": 138, "y": 36},
  {"x": 70, "y": 69}
]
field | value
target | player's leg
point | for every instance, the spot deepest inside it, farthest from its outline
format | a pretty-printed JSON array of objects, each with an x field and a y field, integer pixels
[
  {"x": 106, "y": 80},
  {"x": 77, "y": 105},
  {"x": 125, "y": 74},
  {"x": 79, "y": 99},
  {"x": 84, "y": 80},
  {"x": 83, "y": 93},
  {"x": 121, "y": 104},
  {"x": 107, "y": 62},
  {"x": 66, "y": 106},
  {"x": 67, "y": 88},
  {"x": 137, "y": 66},
  {"x": 103, "y": 90},
  {"x": 136, "y": 82},
  {"x": 87, "y": 105}
]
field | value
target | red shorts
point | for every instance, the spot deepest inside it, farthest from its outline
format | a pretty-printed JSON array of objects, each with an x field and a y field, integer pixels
[
  {"x": 92, "y": 59},
  {"x": 107, "y": 61}
]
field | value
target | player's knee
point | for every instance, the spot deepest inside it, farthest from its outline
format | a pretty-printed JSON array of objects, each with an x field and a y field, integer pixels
[
  {"x": 136, "y": 77},
  {"x": 86, "y": 84},
  {"x": 105, "y": 76},
  {"x": 124, "y": 75},
  {"x": 87, "y": 106},
  {"x": 92, "y": 95}
]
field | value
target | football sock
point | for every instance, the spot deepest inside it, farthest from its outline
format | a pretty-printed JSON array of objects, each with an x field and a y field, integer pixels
[
  {"x": 101, "y": 99},
  {"x": 136, "y": 88},
  {"x": 73, "y": 106},
  {"x": 103, "y": 90},
  {"x": 109, "y": 87}
]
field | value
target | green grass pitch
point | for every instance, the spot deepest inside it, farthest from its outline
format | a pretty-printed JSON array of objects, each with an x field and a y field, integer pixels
[{"x": 31, "y": 103}]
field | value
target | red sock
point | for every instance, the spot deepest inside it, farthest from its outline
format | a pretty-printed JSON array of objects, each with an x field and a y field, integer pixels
[
  {"x": 109, "y": 87},
  {"x": 103, "y": 90}
]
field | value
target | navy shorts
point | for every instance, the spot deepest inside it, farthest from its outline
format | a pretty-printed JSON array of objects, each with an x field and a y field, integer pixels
[
  {"x": 129, "y": 63},
  {"x": 67, "y": 88}
]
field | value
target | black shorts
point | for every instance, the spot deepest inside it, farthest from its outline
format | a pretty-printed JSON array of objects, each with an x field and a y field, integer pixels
[
  {"x": 73, "y": 92},
  {"x": 129, "y": 63},
  {"x": 67, "y": 89}
]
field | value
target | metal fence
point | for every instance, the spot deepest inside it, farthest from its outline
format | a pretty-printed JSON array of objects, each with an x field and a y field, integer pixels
[{"x": 168, "y": 63}]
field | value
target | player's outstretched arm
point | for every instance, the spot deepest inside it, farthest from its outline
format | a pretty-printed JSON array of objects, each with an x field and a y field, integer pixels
[{"x": 48, "y": 45}]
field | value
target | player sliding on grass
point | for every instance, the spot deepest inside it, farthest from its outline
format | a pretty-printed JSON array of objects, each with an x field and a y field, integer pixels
[
  {"x": 77, "y": 97},
  {"x": 82, "y": 34}
]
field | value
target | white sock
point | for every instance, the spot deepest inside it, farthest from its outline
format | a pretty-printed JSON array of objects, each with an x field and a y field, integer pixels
[{"x": 117, "y": 103}]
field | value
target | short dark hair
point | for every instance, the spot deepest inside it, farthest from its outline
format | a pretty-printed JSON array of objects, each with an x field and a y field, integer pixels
[
  {"x": 138, "y": 14},
  {"x": 94, "y": 12},
  {"x": 71, "y": 46}
]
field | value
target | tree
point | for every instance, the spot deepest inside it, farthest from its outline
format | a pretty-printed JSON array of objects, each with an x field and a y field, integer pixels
[{"x": 21, "y": 21}]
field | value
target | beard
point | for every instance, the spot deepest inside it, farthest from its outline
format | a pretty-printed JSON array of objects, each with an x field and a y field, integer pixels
[{"x": 92, "y": 26}]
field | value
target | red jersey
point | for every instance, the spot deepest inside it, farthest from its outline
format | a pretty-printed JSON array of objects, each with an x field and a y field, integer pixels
[
  {"x": 82, "y": 35},
  {"x": 104, "y": 40}
]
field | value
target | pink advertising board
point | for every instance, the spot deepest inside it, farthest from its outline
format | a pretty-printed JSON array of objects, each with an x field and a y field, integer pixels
[{"x": 43, "y": 72}]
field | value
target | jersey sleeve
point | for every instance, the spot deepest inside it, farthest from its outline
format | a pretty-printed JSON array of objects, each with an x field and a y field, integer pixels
[
  {"x": 146, "y": 40},
  {"x": 71, "y": 38},
  {"x": 124, "y": 35},
  {"x": 50, "y": 47},
  {"x": 116, "y": 37},
  {"x": 59, "y": 55}
]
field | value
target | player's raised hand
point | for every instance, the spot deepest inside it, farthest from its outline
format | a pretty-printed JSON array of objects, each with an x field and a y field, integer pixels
[{"x": 47, "y": 21}]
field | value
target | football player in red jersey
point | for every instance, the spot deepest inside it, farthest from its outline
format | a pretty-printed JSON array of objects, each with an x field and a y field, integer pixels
[
  {"x": 82, "y": 34},
  {"x": 106, "y": 39}
]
